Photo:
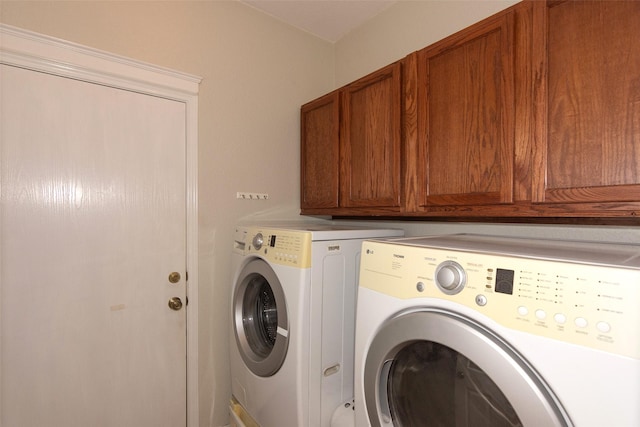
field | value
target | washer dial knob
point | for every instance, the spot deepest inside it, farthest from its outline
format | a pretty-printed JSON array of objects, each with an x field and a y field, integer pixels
[
  {"x": 450, "y": 277},
  {"x": 258, "y": 241}
]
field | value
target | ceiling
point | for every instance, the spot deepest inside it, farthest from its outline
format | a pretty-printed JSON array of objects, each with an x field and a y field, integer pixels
[{"x": 327, "y": 19}]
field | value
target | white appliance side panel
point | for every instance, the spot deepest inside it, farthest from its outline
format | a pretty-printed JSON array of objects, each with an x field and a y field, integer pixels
[{"x": 335, "y": 267}]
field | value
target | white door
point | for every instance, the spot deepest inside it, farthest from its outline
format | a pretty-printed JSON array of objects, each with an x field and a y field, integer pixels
[{"x": 93, "y": 223}]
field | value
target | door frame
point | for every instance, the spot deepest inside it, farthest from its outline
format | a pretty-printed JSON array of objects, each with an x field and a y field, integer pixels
[{"x": 37, "y": 52}]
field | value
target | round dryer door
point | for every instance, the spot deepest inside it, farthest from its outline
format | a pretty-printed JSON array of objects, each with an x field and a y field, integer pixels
[
  {"x": 434, "y": 368},
  {"x": 260, "y": 318}
]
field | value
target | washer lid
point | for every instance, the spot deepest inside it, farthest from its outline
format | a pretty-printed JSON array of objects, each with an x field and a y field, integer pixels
[
  {"x": 317, "y": 232},
  {"x": 594, "y": 253}
]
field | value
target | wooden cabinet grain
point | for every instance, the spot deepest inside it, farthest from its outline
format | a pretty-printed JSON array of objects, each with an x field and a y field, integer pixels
[
  {"x": 351, "y": 147},
  {"x": 320, "y": 152},
  {"x": 466, "y": 117},
  {"x": 587, "y": 133},
  {"x": 370, "y": 136}
]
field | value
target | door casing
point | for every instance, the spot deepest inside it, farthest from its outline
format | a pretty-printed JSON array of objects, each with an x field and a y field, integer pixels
[{"x": 33, "y": 51}]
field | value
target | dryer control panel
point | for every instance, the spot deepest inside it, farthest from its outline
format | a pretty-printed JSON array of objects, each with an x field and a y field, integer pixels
[
  {"x": 284, "y": 247},
  {"x": 585, "y": 304}
]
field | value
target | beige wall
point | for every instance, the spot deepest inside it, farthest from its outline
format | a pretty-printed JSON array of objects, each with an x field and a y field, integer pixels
[
  {"x": 256, "y": 73},
  {"x": 403, "y": 28}
]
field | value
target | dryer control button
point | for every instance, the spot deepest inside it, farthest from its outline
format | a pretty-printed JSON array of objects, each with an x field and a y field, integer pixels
[
  {"x": 450, "y": 277},
  {"x": 541, "y": 314},
  {"x": 560, "y": 318},
  {"x": 523, "y": 311},
  {"x": 581, "y": 322},
  {"x": 481, "y": 300},
  {"x": 603, "y": 327}
]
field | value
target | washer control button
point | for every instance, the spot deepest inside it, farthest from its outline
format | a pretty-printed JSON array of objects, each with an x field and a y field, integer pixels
[
  {"x": 420, "y": 286},
  {"x": 481, "y": 300},
  {"x": 541, "y": 314},
  {"x": 523, "y": 311},
  {"x": 581, "y": 322},
  {"x": 560, "y": 318},
  {"x": 603, "y": 327}
]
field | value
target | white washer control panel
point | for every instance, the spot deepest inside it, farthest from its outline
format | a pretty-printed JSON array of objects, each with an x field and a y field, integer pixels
[{"x": 591, "y": 305}]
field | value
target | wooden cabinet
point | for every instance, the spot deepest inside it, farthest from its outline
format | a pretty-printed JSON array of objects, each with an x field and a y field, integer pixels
[
  {"x": 466, "y": 117},
  {"x": 370, "y": 140},
  {"x": 587, "y": 133},
  {"x": 351, "y": 147},
  {"x": 532, "y": 114},
  {"x": 320, "y": 153}
]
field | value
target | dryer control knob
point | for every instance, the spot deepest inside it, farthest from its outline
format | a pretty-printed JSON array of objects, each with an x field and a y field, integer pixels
[
  {"x": 450, "y": 277},
  {"x": 258, "y": 241}
]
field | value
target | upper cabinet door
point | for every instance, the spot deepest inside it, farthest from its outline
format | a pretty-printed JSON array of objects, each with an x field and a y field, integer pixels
[
  {"x": 320, "y": 152},
  {"x": 587, "y": 136},
  {"x": 371, "y": 138},
  {"x": 466, "y": 117}
]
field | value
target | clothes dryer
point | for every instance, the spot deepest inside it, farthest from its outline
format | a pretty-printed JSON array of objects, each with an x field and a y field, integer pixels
[
  {"x": 293, "y": 321},
  {"x": 496, "y": 332}
]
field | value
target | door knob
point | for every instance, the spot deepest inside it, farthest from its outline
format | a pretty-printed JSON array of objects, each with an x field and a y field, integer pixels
[
  {"x": 174, "y": 277},
  {"x": 175, "y": 303}
]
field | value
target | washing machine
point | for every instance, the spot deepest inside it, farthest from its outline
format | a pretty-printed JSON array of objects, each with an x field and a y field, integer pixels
[
  {"x": 480, "y": 331},
  {"x": 293, "y": 322}
]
